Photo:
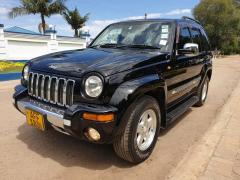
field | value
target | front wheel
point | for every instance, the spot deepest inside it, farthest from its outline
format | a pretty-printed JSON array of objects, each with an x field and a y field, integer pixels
[
  {"x": 202, "y": 92},
  {"x": 141, "y": 131}
]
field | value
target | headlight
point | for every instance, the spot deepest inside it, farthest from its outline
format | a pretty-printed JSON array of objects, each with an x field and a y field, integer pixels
[
  {"x": 25, "y": 73},
  {"x": 93, "y": 86}
]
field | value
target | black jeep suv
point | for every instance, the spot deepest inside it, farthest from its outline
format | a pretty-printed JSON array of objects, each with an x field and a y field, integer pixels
[{"x": 132, "y": 81}]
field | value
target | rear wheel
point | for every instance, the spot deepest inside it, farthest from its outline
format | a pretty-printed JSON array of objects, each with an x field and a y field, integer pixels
[
  {"x": 141, "y": 131},
  {"x": 202, "y": 92}
]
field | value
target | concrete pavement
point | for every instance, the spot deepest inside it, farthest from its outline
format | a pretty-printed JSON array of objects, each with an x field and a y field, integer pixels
[{"x": 217, "y": 155}]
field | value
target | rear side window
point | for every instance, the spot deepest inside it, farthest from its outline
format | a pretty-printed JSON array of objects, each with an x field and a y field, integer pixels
[
  {"x": 197, "y": 37},
  {"x": 205, "y": 42},
  {"x": 184, "y": 37}
]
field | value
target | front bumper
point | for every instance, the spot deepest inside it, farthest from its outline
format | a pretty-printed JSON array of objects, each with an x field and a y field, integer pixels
[{"x": 68, "y": 120}]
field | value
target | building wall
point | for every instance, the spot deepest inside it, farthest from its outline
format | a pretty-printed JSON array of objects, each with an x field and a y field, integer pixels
[
  {"x": 66, "y": 46},
  {"x": 22, "y": 50},
  {"x": 16, "y": 46}
]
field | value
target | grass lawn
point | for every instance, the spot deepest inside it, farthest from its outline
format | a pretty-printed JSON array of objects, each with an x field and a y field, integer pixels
[{"x": 10, "y": 66}]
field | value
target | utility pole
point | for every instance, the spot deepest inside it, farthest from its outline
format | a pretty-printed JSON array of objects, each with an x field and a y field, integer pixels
[{"x": 145, "y": 16}]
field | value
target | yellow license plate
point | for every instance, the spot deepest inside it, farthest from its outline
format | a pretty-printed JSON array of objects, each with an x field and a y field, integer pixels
[{"x": 35, "y": 119}]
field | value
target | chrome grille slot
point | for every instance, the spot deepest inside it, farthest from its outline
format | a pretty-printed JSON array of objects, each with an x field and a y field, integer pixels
[
  {"x": 29, "y": 84},
  {"x": 45, "y": 88},
  {"x": 39, "y": 84},
  {"x": 70, "y": 92},
  {"x": 34, "y": 80},
  {"x": 60, "y": 91},
  {"x": 51, "y": 89},
  {"x": 36, "y": 90}
]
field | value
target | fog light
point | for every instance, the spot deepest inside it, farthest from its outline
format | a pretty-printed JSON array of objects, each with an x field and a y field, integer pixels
[{"x": 92, "y": 134}]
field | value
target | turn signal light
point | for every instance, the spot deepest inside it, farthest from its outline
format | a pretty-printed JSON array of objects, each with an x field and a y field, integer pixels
[{"x": 98, "y": 117}]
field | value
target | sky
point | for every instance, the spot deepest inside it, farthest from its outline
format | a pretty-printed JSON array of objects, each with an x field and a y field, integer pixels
[{"x": 102, "y": 13}]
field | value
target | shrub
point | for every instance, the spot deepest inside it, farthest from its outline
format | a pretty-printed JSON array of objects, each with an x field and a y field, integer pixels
[{"x": 6, "y": 66}]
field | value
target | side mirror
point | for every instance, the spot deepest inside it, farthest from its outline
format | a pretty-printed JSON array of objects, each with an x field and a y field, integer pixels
[{"x": 189, "y": 49}]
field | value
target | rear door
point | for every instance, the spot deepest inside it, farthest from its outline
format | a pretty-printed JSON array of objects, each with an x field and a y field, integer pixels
[{"x": 198, "y": 61}]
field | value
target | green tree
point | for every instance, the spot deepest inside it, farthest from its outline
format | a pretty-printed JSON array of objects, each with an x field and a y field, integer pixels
[
  {"x": 75, "y": 20},
  {"x": 221, "y": 19},
  {"x": 45, "y": 8}
]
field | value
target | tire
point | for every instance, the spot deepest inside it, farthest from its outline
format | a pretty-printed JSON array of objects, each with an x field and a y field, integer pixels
[
  {"x": 130, "y": 144},
  {"x": 202, "y": 92}
]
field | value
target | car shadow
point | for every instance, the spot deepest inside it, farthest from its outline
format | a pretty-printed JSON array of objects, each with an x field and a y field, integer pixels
[
  {"x": 69, "y": 151},
  {"x": 175, "y": 122}
]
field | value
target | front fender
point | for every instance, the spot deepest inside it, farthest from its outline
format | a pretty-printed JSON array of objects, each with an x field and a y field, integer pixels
[{"x": 129, "y": 91}]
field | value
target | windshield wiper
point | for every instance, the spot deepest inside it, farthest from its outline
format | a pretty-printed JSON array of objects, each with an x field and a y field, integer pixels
[
  {"x": 115, "y": 45},
  {"x": 109, "y": 45},
  {"x": 142, "y": 46}
]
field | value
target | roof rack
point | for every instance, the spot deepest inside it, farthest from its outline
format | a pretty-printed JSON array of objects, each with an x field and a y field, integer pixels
[{"x": 188, "y": 18}]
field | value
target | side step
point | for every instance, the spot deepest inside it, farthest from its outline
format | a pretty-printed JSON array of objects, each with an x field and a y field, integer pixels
[{"x": 181, "y": 109}]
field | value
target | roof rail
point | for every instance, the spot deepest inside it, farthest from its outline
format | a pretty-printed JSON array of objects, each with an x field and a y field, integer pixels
[{"x": 188, "y": 18}]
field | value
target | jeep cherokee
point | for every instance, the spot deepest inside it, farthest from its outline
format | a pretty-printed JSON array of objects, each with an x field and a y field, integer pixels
[{"x": 132, "y": 81}]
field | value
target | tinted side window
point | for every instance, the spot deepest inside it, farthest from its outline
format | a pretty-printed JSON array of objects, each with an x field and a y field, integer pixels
[
  {"x": 205, "y": 42},
  {"x": 184, "y": 37},
  {"x": 196, "y": 37}
]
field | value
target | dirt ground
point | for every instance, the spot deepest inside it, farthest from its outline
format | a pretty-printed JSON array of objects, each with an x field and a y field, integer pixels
[{"x": 27, "y": 153}]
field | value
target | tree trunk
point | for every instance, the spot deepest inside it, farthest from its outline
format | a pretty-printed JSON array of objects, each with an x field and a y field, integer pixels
[
  {"x": 43, "y": 23},
  {"x": 76, "y": 33}
]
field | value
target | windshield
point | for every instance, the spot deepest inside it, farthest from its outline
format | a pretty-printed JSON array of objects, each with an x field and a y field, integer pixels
[{"x": 136, "y": 34}]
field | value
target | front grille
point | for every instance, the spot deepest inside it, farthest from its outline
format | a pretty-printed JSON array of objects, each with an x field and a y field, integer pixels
[{"x": 51, "y": 89}]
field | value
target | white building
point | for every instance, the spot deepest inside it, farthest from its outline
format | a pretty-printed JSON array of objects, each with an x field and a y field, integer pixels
[{"x": 21, "y": 44}]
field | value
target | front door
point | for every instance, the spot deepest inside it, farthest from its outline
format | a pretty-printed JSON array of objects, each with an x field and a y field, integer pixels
[{"x": 183, "y": 72}]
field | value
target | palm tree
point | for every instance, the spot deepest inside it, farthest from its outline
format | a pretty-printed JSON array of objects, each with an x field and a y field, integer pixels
[
  {"x": 75, "y": 20},
  {"x": 42, "y": 7}
]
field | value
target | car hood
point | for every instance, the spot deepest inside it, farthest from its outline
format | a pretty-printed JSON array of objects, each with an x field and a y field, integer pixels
[{"x": 105, "y": 61}]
